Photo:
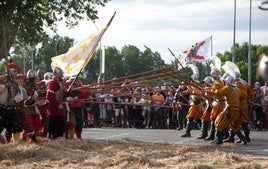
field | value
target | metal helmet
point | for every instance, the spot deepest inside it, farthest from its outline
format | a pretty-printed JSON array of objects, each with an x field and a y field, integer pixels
[
  {"x": 208, "y": 80},
  {"x": 237, "y": 75},
  {"x": 143, "y": 90},
  {"x": 230, "y": 81},
  {"x": 48, "y": 76},
  {"x": 225, "y": 75},
  {"x": 194, "y": 77},
  {"x": 215, "y": 73},
  {"x": 31, "y": 74},
  {"x": 40, "y": 73},
  {"x": 57, "y": 72}
]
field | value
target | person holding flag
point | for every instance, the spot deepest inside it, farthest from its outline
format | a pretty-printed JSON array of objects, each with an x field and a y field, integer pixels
[{"x": 55, "y": 95}]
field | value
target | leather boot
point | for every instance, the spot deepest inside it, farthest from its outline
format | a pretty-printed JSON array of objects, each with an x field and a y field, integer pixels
[
  {"x": 78, "y": 134},
  {"x": 32, "y": 137},
  {"x": 246, "y": 131},
  {"x": 241, "y": 137},
  {"x": 190, "y": 123},
  {"x": 225, "y": 133},
  {"x": 231, "y": 138},
  {"x": 186, "y": 134},
  {"x": 8, "y": 137},
  {"x": 218, "y": 139},
  {"x": 212, "y": 131},
  {"x": 204, "y": 130}
]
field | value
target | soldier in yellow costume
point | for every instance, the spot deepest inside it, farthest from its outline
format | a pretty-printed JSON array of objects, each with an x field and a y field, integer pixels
[
  {"x": 218, "y": 102},
  {"x": 243, "y": 119},
  {"x": 231, "y": 111},
  {"x": 205, "y": 118},
  {"x": 196, "y": 104}
]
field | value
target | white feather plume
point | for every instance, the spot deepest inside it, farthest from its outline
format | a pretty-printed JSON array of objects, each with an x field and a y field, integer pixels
[
  {"x": 194, "y": 68},
  {"x": 216, "y": 63},
  {"x": 231, "y": 68}
]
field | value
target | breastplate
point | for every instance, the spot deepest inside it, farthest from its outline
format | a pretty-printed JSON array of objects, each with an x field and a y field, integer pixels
[{"x": 60, "y": 93}]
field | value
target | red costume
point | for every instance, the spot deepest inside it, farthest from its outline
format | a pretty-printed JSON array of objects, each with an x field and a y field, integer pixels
[
  {"x": 55, "y": 110},
  {"x": 42, "y": 107},
  {"x": 75, "y": 106}
]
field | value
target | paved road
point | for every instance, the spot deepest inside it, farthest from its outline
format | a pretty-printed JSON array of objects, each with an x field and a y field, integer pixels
[{"x": 258, "y": 144}]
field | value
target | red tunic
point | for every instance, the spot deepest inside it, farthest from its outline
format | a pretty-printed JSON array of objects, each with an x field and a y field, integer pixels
[
  {"x": 53, "y": 89},
  {"x": 78, "y": 94}
]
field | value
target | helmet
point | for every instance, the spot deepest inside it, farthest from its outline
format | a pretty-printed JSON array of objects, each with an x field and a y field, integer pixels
[
  {"x": 31, "y": 74},
  {"x": 215, "y": 73},
  {"x": 57, "y": 72},
  {"x": 11, "y": 67},
  {"x": 237, "y": 75},
  {"x": 225, "y": 75},
  {"x": 208, "y": 80},
  {"x": 40, "y": 73},
  {"x": 230, "y": 81},
  {"x": 194, "y": 77},
  {"x": 143, "y": 90},
  {"x": 48, "y": 76}
]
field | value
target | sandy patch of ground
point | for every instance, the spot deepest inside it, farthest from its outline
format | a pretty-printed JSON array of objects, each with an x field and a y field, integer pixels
[{"x": 70, "y": 154}]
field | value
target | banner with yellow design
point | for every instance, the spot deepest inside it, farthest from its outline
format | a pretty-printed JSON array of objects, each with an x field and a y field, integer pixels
[{"x": 79, "y": 55}]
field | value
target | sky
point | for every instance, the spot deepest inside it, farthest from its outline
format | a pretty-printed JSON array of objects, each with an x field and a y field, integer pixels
[{"x": 175, "y": 24}]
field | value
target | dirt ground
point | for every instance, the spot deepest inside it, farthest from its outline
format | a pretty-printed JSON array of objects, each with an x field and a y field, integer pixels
[{"x": 126, "y": 153}]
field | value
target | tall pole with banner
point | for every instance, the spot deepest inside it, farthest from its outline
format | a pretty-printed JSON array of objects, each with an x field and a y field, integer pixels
[
  {"x": 249, "y": 45},
  {"x": 233, "y": 51}
]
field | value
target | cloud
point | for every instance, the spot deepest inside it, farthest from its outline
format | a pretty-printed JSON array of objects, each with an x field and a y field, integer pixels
[{"x": 176, "y": 24}]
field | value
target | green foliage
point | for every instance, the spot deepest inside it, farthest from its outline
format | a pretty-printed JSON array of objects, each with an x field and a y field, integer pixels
[
  {"x": 23, "y": 21},
  {"x": 241, "y": 59},
  {"x": 127, "y": 61},
  {"x": 130, "y": 60}
]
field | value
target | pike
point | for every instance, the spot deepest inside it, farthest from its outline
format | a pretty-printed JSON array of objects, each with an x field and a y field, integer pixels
[
  {"x": 112, "y": 81},
  {"x": 165, "y": 65},
  {"x": 147, "y": 80},
  {"x": 175, "y": 58}
]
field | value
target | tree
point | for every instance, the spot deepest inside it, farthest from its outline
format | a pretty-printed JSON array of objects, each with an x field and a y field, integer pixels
[
  {"x": 39, "y": 57},
  {"x": 23, "y": 21},
  {"x": 114, "y": 67},
  {"x": 135, "y": 61},
  {"x": 51, "y": 47},
  {"x": 241, "y": 58}
]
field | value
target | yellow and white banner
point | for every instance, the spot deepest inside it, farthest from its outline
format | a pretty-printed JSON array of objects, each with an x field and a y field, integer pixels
[{"x": 79, "y": 55}]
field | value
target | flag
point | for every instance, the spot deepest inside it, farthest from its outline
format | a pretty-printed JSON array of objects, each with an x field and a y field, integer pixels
[
  {"x": 183, "y": 60},
  {"x": 79, "y": 55},
  {"x": 199, "y": 52}
]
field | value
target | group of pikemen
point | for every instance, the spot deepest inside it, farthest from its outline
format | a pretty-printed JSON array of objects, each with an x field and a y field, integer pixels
[
  {"x": 33, "y": 104},
  {"x": 222, "y": 105},
  {"x": 49, "y": 105}
]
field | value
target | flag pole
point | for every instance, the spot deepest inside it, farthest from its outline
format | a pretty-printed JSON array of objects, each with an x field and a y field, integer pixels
[
  {"x": 211, "y": 52},
  {"x": 92, "y": 52},
  {"x": 175, "y": 58}
]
